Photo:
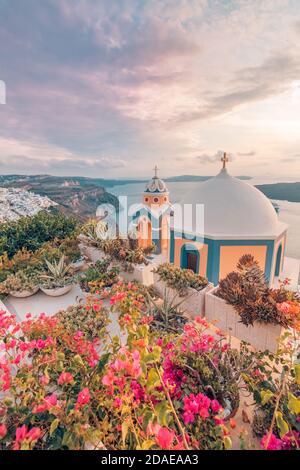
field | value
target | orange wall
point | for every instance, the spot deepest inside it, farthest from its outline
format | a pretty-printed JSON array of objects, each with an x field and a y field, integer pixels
[
  {"x": 203, "y": 253},
  {"x": 162, "y": 199},
  {"x": 230, "y": 255}
]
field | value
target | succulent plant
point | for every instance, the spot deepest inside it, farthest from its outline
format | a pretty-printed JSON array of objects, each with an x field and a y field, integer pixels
[
  {"x": 57, "y": 274},
  {"x": 19, "y": 282},
  {"x": 246, "y": 290},
  {"x": 168, "y": 316},
  {"x": 180, "y": 279},
  {"x": 99, "y": 275}
]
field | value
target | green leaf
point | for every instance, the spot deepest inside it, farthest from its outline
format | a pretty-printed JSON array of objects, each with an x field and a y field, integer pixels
[
  {"x": 103, "y": 361},
  {"x": 125, "y": 428},
  {"x": 147, "y": 444},
  {"x": 227, "y": 443},
  {"x": 294, "y": 404},
  {"x": 281, "y": 424},
  {"x": 266, "y": 396},
  {"x": 297, "y": 374},
  {"x": 153, "y": 379},
  {"x": 162, "y": 410},
  {"x": 54, "y": 426}
]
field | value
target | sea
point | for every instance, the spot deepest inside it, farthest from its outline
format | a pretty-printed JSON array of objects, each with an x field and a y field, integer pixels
[{"x": 289, "y": 212}]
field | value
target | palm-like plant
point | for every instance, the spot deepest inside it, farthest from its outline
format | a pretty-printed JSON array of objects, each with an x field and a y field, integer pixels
[
  {"x": 167, "y": 316},
  {"x": 58, "y": 274}
]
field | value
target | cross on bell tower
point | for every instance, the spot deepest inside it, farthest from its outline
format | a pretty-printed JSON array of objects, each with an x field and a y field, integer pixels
[
  {"x": 156, "y": 171},
  {"x": 224, "y": 159}
]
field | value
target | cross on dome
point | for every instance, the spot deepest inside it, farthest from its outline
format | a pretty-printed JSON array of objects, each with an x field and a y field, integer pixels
[
  {"x": 156, "y": 171},
  {"x": 224, "y": 159}
]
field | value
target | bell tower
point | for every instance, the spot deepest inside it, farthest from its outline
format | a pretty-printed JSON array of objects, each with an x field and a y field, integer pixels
[{"x": 156, "y": 193}]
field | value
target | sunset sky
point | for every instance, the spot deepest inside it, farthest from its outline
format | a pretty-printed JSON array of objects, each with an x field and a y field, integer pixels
[{"x": 108, "y": 88}]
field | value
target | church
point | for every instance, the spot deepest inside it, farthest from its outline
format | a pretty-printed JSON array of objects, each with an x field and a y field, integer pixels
[{"x": 238, "y": 219}]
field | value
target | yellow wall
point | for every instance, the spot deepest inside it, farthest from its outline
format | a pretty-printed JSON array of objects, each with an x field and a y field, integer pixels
[
  {"x": 230, "y": 255},
  {"x": 203, "y": 253}
]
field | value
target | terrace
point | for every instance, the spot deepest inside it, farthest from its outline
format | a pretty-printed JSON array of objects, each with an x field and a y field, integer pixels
[{"x": 209, "y": 388}]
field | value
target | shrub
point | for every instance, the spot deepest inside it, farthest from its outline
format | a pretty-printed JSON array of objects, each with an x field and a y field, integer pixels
[
  {"x": 21, "y": 281},
  {"x": 167, "y": 316},
  {"x": 31, "y": 232},
  {"x": 180, "y": 279},
  {"x": 247, "y": 291},
  {"x": 274, "y": 381},
  {"x": 60, "y": 392},
  {"x": 98, "y": 276},
  {"x": 89, "y": 317},
  {"x": 50, "y": 378}
]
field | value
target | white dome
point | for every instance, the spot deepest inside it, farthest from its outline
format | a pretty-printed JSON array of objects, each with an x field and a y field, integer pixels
[
  {"x": 233, "y": 207},
  {"x": 156, "y": 185}
]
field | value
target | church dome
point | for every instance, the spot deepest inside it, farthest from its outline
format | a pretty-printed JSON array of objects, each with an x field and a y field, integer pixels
[
  {"x": 233, "y": 208},
  {"x": 156, "y": 185}
]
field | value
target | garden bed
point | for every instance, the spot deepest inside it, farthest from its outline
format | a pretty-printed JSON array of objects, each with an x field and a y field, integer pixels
[
  {"x": 194, "y": 303},
  {"x": 260, "y": 336}
]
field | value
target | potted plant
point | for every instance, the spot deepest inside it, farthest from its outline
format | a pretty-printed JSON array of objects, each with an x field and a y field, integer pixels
[
  {"x": 171, "y": 280},
  {"x": 244, "y": 305},
  {"x": 166, "y": 316},
  {"x": 21, "y": 284},
  {"x": 57, "y": 280},
  {"x": 99, "y": 276}
]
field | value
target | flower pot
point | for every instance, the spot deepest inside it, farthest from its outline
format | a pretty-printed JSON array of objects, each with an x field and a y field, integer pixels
[
  {"x": 193, "y": 301},
  {"x": 261, "y": 336},
  {"x": 58, "y": 291},
  {"x": 24, "y": 293},
  {"x": 141, "y": 273}
]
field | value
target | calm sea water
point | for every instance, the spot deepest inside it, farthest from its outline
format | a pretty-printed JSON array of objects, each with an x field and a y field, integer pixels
[{"x": 289, "y": 211}]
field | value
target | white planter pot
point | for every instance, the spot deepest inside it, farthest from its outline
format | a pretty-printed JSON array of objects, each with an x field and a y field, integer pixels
[
  {"x": 58, "y": 291},
  {"x": 141, "y": 273},
  {"x": 194, "y": 303},
  {"x": 260, "y": 336},
  {"x": 23, "y": 294},
  {"x": 94, "y": 254}
]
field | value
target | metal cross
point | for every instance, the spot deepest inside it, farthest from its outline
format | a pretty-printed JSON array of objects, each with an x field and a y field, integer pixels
[{"x": 224, "y": 159}]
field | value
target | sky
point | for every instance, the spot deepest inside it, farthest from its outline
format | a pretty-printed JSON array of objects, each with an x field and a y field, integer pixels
[{"x": 109, "y": 88}]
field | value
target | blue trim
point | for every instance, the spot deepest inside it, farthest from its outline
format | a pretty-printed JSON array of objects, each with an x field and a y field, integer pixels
[
  {"x": 185, "y": 249},
  {"x": 214, "y": 249},
  {"x": 172, "y": 246},
  {"x": 278, "y": 260}
]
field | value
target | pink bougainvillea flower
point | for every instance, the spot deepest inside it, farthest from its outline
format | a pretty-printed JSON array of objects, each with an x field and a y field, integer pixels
[
  {"x": 165, "y": 438},
  {"x": 215, "y": 406},
  {"x": 34, "y": 434},
  {"x": 117, "y": 402},
  {"x": 51, "y": 400},
  {"x": 40, "y": 344},
  {"x": 118, "y": 298},
  {"x": 3, "y": 431},
  {"x": 153, "y": 429},
  {"x": 65, "y": 378},
  {"x": 21, "y": 433},
  {"x": 83, "y": 397},
  {"x": 78, "y": 335},
  {"x": 44, "y": 380},
  {"x": 271, "y": 442}
]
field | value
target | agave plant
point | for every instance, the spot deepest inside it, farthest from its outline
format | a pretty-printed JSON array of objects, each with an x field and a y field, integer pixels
[
  {"x": 167, "y": 316},
  {"x": 58, "y": 274}
]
